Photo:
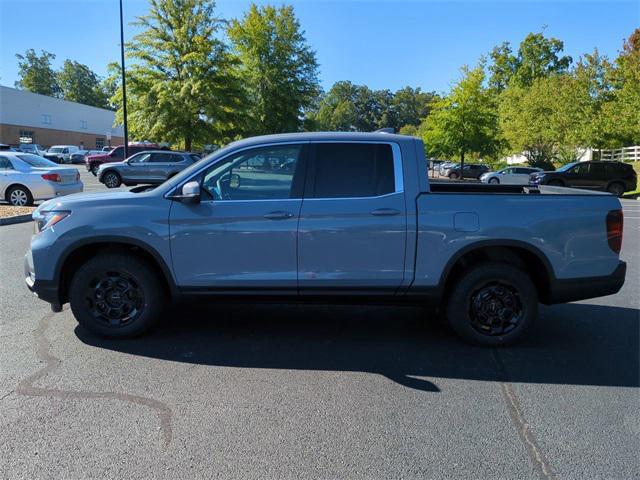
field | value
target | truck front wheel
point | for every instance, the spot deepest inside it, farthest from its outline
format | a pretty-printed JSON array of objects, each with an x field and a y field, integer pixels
[
  {"x": 492, "y": 304},
  {"x": 116, "y": 295}
]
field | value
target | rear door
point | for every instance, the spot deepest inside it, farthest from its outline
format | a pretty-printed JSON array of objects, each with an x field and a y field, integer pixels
[
  {"x": 520, "y": 176},
  {"x": 160, "y": 164},
  {"x": 353, "y": 222}
]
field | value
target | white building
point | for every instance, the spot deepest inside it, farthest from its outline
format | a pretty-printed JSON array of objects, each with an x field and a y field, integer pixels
[{"x": 27, "y": 117}]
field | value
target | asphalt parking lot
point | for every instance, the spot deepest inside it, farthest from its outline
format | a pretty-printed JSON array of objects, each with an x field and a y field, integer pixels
[{"x": 317, "y": 391}]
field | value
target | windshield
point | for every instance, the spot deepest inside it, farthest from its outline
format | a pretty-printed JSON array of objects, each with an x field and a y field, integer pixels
[
  {"x": 55, "y": 149},
  {"x": 566, "y": 167},
  {"x": 36, "y": 161}
]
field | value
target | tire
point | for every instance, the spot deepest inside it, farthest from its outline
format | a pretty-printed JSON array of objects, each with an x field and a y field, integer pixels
[
  {"x": 19, "y": 196},
  {"x": 616, "y": 188},
  {"x": 556, "y": 183},
  {"x": 494, "y": 180},
  {"x": 116, "y": 295},
  {"x": 93, "y": 168},
  {"x": 492, "y": 304},
  {"x": 453, "y": 176},
  {"x": 111, "y": 179}
]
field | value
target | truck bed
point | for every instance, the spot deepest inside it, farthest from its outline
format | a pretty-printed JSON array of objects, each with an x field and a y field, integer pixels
[{"x": 478, "y": 187}]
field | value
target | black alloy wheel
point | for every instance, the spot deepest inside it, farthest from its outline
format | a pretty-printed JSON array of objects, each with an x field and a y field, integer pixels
[
  {"x": 117, "y": 295},
  {"x": 492, "y": 304},
  {"x": 114, "y": 298},
  {"x": 495, "y": 309}
]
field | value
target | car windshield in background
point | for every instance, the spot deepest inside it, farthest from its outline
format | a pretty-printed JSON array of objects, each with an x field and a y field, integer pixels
[
  {"x": 566, "y": 167},
  {"x": 36, "y": 161}
]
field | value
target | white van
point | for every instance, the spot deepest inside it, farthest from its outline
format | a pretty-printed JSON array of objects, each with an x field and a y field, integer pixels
[{"x": 61, "y": 153}]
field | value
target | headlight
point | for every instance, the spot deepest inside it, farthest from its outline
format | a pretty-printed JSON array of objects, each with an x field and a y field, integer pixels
[{"x": 47, "y": 219}]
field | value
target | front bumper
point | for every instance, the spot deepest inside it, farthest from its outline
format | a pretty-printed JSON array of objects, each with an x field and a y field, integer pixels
[
  {"x": 573, "y": 289},
  {"x": 46, "y": 290}
]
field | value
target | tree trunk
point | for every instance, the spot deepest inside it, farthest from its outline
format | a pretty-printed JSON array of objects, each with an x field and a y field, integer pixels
[
  {"x": 187, "y": 143},
  {"x": 462, "y": 165}
]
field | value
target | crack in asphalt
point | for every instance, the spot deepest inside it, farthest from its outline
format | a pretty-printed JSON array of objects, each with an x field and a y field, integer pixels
[
  {"x": 516, "y": 412},
  {"x": 26, "y": 386}
]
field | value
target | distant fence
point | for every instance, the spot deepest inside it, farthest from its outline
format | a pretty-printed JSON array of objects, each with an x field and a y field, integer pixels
[{"x": 627, "y": 154}]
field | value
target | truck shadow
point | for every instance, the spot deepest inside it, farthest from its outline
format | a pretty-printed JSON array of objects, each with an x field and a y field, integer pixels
[{"x": 575, "y": 344}]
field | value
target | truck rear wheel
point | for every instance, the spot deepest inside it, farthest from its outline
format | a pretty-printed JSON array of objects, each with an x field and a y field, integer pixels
[
  {"x": 492, "y": 304},
  {"x": 116, "y": 295}
]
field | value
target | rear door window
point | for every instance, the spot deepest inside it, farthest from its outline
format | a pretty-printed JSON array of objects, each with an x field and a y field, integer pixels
[
  {"x": 5, "y": 164},
  {"x": 352, "y": 170},
  {"x": 164, "y": 158},
  {"x": 597, "y": 170}
]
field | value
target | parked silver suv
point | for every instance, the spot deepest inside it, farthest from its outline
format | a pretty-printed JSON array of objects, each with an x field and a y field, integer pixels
[{"x": 149, "y": 167}]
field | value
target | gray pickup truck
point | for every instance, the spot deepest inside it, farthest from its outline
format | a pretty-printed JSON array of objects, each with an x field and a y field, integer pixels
[{"x": 328, "y": 217}]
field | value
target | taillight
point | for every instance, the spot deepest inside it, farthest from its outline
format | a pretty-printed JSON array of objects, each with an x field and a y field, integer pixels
[
  {"x": 52, "y": 177},
  {"x": 615, "y": 220}
]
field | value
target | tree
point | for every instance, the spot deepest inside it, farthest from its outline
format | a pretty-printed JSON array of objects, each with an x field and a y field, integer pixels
[
  {"x": 182, "y": 86},
  {"x": 464, "y": 121},
  {"x": 411, "y": 106},
  {"x": 502, "y": 67},
  {"x": 352, "y": 107},
  {"x": 36, "y": 74},
  {"x": 537, "y": 57},
  {"x": 79, "y": 84},
  {"x": 279, "y": 69},
  {"x": 546, "y": 121},
  {"x": 624, "y": 109}
]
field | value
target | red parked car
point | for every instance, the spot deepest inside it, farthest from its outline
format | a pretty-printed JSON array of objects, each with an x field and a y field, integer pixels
[{"x": 92, "y": 162}]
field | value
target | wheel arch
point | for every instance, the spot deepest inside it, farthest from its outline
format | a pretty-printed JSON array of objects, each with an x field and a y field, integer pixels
[
  {"x": 14, "y": 184},
  {"x": 524, "y": 255},
  {"x": 79, "y": 252}
]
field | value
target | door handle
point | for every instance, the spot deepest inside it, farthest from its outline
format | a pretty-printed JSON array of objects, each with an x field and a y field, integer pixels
[
  {"x": 279, "y": 215},
  {"x": 385, "y": 212}
]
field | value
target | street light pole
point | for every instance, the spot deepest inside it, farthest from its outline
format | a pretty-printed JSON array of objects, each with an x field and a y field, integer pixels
[{"x": 124, "y": 87}]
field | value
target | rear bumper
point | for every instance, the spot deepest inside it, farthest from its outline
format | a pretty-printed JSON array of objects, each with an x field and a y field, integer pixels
[
  {"x": 47, "y": 190},
  {"x": 571, "y": 290}
]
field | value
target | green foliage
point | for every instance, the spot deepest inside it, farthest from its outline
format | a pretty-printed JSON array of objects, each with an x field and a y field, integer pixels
[
  {"x": 624, "y": 109},
  {"x": 79, "y": 84},
  {"x": 464, "y": 121},
  {"x": 278, "y": 69},
  {"x": 36, "y": 74},
  {"x": 349, "y": 107},
  {"x": 537, "y": 57},
  {"x": 182, "y": 86}
]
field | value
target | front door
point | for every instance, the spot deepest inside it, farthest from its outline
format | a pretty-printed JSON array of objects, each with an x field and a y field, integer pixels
[
  {"x": 353, "y": 221},
  {"x": 242, "y": 235},
  {"x": 137, "y": 167}
]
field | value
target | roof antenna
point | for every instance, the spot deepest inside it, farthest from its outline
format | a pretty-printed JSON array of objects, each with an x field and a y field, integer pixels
[{"x": 385, "y": 130}]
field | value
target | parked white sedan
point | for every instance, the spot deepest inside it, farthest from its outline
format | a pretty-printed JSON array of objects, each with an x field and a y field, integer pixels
[
  {"x": 510, "y": 176},
  {"x": 25, "y": 178}
]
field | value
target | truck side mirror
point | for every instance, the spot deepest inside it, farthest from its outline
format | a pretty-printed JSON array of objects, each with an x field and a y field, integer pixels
[{"x": 190, "y": 193}]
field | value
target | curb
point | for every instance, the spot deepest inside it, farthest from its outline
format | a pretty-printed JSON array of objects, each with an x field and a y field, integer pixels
[{"x": 16, "y": 219}]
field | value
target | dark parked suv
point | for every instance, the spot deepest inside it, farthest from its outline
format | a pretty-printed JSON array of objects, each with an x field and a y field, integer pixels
[
  {"x": 471, "y": 170},
  {"x": 613, "y": 177}
]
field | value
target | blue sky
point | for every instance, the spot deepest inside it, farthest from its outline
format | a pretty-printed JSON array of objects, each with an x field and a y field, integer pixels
[{"x": 382, "y": 43}]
